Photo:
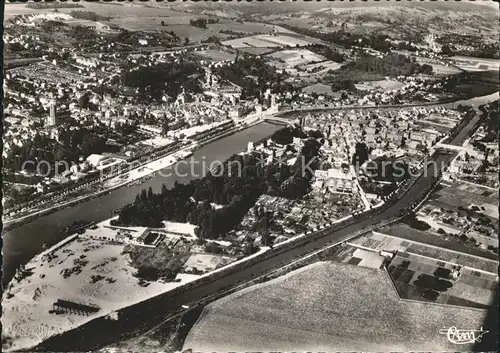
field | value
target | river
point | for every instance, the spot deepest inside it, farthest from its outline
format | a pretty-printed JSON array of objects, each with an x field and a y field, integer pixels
[{"x": 22, "y": 243}]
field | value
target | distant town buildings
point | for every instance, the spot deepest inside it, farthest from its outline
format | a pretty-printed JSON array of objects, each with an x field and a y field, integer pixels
[{"x": 334, "y": 180}]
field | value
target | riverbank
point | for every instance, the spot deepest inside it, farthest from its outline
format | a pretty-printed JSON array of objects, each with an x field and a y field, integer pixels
[
  {"x": 24, "y": 242},
  {"x": 95, "y": 270},
  {"x": 451, "y": 103},
  {"x": 80, "y": 270},
  {"x": 92, "y": 281},
  {"x": 136, "y": 175}
]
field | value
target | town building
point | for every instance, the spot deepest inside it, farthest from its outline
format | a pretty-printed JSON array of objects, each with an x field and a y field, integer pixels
[
  {"x": 334, "y": 180},
  {"x": 52, "y": 118},
  {"x": 65, "y": 306}
]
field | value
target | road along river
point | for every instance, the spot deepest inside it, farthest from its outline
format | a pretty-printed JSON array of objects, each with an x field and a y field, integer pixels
[
  {"x": 141, "y": 317},
  {"x": 22, "y": 243}
]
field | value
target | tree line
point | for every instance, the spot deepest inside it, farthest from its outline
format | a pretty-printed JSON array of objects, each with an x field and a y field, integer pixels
[
  {"x": 168, "y": 78},
  {"x": 326, "y": 51},
  {"x": 254, "y": 76},
  {"x": 202, "y": 22},
  {"x": 374, "y": 68},
  {"x": 244, "y": 180},
  {"x": 70, "y": 146},
  {"x": 89, "y": 15},
  {"x": 347, "y": 39}
]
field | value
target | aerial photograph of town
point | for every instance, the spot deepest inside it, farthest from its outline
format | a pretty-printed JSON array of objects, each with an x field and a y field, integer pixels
[{"x": 243, "y": 176}]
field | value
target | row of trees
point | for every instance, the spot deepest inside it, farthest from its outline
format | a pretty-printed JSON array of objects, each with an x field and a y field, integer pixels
[
  {"x": 347, "y": 39},
  {"x": 390, "y": 65},
  {"x": 374, "y": 68},
  {"x": 244, "y": 180},
  {"x": 327, "y": 52},
  {"x": 202, "y": 22},
  {"x": 168, "y": 78},
  {"x": 253, "y": 75},
  {"x": 493, "y": 120},
  {"x": 89, "y": 15},
  {"x": 71, "y": 145}
]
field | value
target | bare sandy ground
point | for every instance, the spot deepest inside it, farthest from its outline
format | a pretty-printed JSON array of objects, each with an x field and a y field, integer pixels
[{"x": 26, "y": 304}]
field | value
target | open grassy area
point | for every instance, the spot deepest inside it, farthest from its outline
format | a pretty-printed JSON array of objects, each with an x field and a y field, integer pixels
[
  {"x": 464, "y": 194},
  {"x": 265, "y": 40},
  {"x": 385, "y": 85},
  {"x": 320, "y": 88},
  {"x": 109, "y": 10},
  {"x": 216, "y": 55},
  {"x": 473, "y": 84},
  {"x": 298, "y": 57},
  {"x": 400, "y": 237},
  {"x": 246, "y": 27},
  {"x": 342, "y": 308}
]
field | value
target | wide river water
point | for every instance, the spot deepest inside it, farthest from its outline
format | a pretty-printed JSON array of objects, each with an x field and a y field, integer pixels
[{"x": 22, "y": 243}]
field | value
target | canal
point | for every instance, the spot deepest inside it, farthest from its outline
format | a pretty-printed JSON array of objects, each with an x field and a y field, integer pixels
[{"x": 22, "y": 243}]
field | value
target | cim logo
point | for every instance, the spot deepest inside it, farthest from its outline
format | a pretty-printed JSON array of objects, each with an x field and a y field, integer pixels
[{"x": 457, "y": 336}]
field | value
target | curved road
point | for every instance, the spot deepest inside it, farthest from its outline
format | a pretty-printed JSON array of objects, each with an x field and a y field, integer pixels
[{"x": 143, "y": 316}]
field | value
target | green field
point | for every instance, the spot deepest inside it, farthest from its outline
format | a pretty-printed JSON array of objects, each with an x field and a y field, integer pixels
[
  {"x": 463, "y": 194},
  {"x": 246, "y": 27},
  {"x": 216, "y": 55},
  {"x": 108, "y": 10}
]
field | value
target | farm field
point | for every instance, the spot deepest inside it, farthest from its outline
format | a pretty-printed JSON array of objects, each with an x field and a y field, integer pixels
[
  {"x": 297, "y": 57},
  {"x": 385, "y": 85},
  {"x": 265, "y": 40},
  {"x": 420, "y": 278},
  {"x": 151, "y": 23},
  {"x": 247, "y": 27},
  {"x": 108, "y": 10},
  {"x": 329, "y": 314},
  {"x": 216, "y": 55},
  {"x": 253, "y": 42},
  {"x": 466, "y": 194},
  {"x": 401, "y": 237}
]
